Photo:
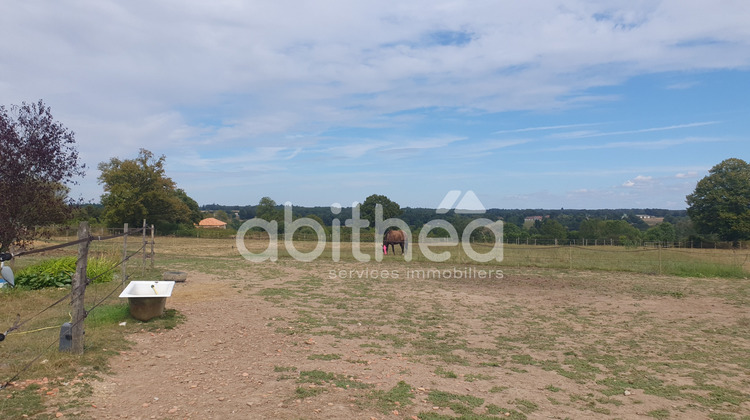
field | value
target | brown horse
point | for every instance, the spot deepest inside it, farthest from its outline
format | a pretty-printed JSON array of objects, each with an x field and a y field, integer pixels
[{"x": 393, "y": 238}]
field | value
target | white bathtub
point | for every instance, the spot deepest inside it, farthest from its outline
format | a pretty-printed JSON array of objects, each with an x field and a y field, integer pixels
[
  {"x": 147, "y": 298},
  {"x": 148, "y": 288}
]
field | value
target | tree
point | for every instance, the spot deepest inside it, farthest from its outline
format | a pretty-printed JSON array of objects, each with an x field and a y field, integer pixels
[
  {"x": 38, "y": 159},
  {"x": 512, "y": 232},
  {"x": 138, "y": 189},
  {"x": 552, "y": 229},
  {"x": 663, "y": 232},
  {"x": 222, "y": 215},
  {"x": 720, "y": 203},
  {"x": 367, "y": 209},
  {"x": 195, "y": 210},
  {"x": 268, "y": 210}
]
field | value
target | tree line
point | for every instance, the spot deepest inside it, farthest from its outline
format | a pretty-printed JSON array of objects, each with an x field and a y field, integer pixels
[{"x": 39, "y": 162}]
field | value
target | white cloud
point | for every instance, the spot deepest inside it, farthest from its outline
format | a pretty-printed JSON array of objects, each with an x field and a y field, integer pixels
[
  {"x": 587, "y": 134},
  {"x": 638, "y": 181},
  {"x": 646, "y": 144},
  {"x": 233, "y": 84}
]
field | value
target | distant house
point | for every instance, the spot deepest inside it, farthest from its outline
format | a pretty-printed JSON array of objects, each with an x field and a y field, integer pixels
[
  {"x": 211, "y": 223},
  {"x": 529, "y": 221}
]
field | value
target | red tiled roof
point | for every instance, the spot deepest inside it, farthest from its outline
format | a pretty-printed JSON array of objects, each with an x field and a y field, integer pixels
[{"x": 211, "y": 222}]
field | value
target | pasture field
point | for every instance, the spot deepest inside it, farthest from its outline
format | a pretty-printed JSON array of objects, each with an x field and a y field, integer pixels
[{"x": 527, "y": 338}]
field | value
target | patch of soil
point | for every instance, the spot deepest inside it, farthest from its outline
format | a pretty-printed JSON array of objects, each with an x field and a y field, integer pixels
[{"x": 233, "y": 356}]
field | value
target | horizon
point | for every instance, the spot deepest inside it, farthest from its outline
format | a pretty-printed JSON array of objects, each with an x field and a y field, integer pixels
[{"x": 534, "y": 105}]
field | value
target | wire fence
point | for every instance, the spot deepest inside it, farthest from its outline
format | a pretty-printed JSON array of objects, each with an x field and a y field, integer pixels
[{"x": 80, "y": 309}]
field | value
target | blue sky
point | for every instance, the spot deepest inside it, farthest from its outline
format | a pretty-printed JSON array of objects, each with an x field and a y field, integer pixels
[{"x": 534, "y": 104}]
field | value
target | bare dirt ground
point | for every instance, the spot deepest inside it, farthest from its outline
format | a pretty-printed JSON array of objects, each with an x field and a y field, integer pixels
[{"x": 331, "y": 341}]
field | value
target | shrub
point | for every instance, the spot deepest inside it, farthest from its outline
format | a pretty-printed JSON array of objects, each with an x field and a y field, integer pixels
[{"x": 58, "y": 272}]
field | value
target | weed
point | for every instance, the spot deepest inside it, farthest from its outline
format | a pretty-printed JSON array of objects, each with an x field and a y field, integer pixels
[
  {"x": 439, "y": 371},
  {"x": 661, "y": 413},
  {"x": 477, "y": 377},
  {"x": 460, "y": 404},
  {"x": 331, "y": 356},
  {"x": 398, "y": 396}
]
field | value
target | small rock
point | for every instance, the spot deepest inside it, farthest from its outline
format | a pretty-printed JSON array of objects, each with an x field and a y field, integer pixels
[
  {"x": 221, "y": 398},
  {"x": 58, "y": 414},
  {"x": 172, "y": 410},
  {"x": 627, "y": 393}
]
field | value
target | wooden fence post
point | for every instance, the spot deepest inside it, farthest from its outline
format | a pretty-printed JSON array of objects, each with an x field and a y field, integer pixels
[
  {"x": 143, "y": 267},
  {"x": 152, "y": 247},
  {"x": 659, "y": 248},
  {"x": 570, "y": 256},
  {"x": 78, "y": 289},
  {"x": 123, "y": 268}
]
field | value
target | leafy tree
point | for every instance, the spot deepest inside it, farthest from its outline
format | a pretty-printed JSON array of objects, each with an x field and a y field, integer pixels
[
  {"x": 551, "y": 229},
  {"x": 38, "y": 159},
  {"x": 90, "y": 213},
  {"x": 608, "y": 229},
  {"x": 637, "y": 222},
  {"x": 222, "y": 215},
  {"x": 720, "y": 203},
  {"x": 591, "y": 229},
  {"x": 684, "y": 229},
  {"x": 512, "y": 232},
  {"x": 367, "y": 209},
  {"x": 663, "y": 232},
  {"x": 195, "y": 210},
  {"x": 247, "y": 212},
  {"x": 138, "y": 189},
  {"x": 268, "y": 210}
]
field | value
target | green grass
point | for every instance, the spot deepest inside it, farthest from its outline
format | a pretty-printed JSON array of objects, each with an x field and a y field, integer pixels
[
  {"x": 439, "y": 371},
  {"x": 396, "y": 397},
  {"x": 459, "y": 403},
  {"x": 307, "y": 392},
  {"x": 472, "y": 377},
  {"x": 661, "y": 413},
  {"x": 331, "y": 356},
  {"x": 319, "y": 377}
]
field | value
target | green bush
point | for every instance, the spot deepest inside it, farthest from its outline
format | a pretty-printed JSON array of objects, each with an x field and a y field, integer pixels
[
  {"x": 58, "y": 272},
  {"x": 192, "y": 232}
]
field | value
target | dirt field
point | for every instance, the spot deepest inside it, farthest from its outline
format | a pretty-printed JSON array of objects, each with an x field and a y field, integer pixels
[{"x": 326, "y": 340}]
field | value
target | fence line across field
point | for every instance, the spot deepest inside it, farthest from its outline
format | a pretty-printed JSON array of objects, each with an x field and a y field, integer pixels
[{"x": 80, "y": 281}]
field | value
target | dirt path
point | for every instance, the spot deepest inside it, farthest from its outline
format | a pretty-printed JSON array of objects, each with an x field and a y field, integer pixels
[{"x": 253, "y": 342}]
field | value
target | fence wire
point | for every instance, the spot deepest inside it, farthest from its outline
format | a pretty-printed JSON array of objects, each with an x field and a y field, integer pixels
[{"x": 18, "y": 323}]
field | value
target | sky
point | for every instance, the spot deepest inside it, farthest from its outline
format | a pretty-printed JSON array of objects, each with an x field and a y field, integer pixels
[{"x": 579, "y": 104}]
